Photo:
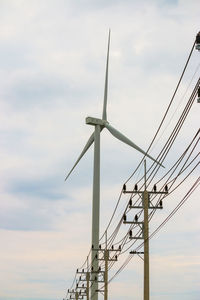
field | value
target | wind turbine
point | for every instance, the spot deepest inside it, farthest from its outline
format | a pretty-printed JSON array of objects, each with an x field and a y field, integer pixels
[{"x": 99, "y": 125}]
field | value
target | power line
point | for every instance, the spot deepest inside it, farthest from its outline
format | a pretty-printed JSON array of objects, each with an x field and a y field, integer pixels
[
  {"x": 174, "y": 211},
  {"x": 166, "y": 112},
  {"x": 162, "y": 156},
  {"x": 167, "y": 145}
]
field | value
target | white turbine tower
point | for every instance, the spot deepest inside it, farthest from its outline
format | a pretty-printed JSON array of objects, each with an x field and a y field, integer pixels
[{"x": 99, "y": 125}]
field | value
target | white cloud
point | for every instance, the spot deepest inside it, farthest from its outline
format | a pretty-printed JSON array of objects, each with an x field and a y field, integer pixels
[{"x": 52, "y": 77}]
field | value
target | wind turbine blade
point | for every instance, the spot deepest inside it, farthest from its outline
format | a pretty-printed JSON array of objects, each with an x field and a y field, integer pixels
[
  {"x": 87, "y": 146},
  {"x": 125, "y": 140},
  {"x": 104, "y": 116}
]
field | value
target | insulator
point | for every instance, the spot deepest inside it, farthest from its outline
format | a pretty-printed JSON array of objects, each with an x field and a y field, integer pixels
[
  {"x": 68, "y": 290},
  {"x": 120, "y": 247},
  {"x": 95, "y": 278},
  {"x": 96, "y": 256},
  {"x": 136, "y": 218},
  {"x": 82, "y": 285},
  {"x": 136, "y": 187},
  {"x": 116, "y": 257},
  {"x": 82, "y": 270},
  {"x": 130, "y": 202},
  {"x": 199, "y": 92},
  {"x": 124, "y": 188},
  {"x": 77, "y": 271},
  {"x": 160, "y": 203},
  {"x": 79, "y": 292},
  {"x": 198, "y": 38},
  {"x": 80, "y": 278},
  {"x": 99, "y": 246},
  {"x": 112, "y": 247},
  {"x": 99, "y": 268},
  {"x": 166, "y": 188},
  {"x": 77, "y": 285},
  {"x": 130, "y": 232},
  {"x": 92, "y": 268},
  {"x": 124, "y": 217},
  {"x": 92, "y": 246},
  {"x": 154, "y": 188}
]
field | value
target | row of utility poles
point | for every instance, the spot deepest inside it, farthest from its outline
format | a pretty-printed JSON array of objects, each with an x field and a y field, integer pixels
[
  {"x": 101, "y": 276},
  {"x": 87, "y": 278},
  {"x": 97, "y": 275}
]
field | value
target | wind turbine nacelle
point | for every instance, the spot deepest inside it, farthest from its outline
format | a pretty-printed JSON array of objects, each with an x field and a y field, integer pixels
[{"x": 95, "y": 121}]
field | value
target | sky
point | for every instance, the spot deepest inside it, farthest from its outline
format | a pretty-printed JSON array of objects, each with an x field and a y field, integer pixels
[{"x": 52, "y": 72}]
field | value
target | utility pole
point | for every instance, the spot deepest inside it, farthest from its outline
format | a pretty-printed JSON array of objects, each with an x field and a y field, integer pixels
[
  {"x": 87, "y": 280},
  {"x": 81, "y": 289},
  {"x": 144, "y": 225},
  {"x": 145, "y": 199},
  {"x": 106, "y": 257},
  {"x": 76, "y": 295}
]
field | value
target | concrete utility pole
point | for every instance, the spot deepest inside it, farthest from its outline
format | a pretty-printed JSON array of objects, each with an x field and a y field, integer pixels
[
  {"x": 145, "y": 197},
  {"x": 82, "y": 289},
  {"x": 87, "y": 280},
  {"x": 88, "y": 285},
  {"x": 106, "y": 257},
  {"x": 146, "y": 205},
  {"x": 76, "y": 295}
]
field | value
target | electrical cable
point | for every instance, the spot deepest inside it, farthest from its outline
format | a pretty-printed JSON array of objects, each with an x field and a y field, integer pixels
[
  {"x": 166, "y": 112},
  {"x": 182, "y": 98},
  {"x": 176, "y": 187},
  {"x": 148, "y": 148},
  {"x": 185, "y": 198},
  {"x": 176, "y": 131}
]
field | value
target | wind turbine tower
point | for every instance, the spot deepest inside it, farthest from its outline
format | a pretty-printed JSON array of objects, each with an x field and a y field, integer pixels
[{"x": 99, "y": 125}]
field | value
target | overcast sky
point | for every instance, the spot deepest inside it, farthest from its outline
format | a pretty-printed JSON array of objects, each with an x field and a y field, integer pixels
[{"x": 52, "y": 70}]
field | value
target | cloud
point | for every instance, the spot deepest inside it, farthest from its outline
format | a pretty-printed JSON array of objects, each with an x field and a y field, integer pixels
[{"x": 52, "y": 77}]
